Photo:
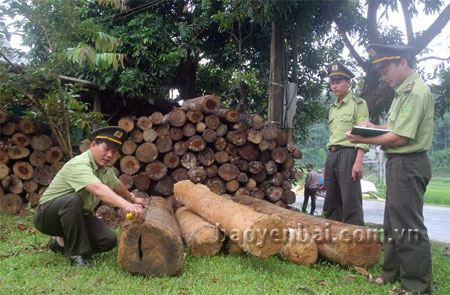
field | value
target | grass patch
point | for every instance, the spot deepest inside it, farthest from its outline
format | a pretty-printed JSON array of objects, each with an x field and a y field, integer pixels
[{"x": 28, "y": 267}]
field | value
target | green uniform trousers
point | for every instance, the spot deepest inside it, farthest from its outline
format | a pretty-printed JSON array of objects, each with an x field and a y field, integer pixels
[
  {"x": 343, "y": 201},
  {"x": 83, "y": 234},
  {"x": 407, "y": 255}
]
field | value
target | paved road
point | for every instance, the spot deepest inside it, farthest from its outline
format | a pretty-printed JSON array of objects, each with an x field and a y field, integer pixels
[{"x": 437, "y": 219}]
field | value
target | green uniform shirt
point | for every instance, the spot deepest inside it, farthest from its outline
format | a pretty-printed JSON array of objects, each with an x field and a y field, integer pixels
[
  {"x": 411, "y": 115},
  {"x": 75, "y": 175},
  {"x": 343, "y": 116}
]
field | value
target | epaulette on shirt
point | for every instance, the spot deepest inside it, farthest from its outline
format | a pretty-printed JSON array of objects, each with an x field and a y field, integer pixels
[
  {"x": 330, "y": 106},
  {"x": 408, "y": 87},
  {"x": 357, "y": 99}
]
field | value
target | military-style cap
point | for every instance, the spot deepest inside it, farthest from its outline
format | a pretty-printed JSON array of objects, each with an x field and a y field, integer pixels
[
  {"x": 339, "y": 71},
  {"x": 381, "y": 55},
  {"x": 114, "y": 136}
]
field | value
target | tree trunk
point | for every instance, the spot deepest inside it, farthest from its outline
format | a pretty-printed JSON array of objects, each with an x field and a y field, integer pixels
[
  {"x": 18, "y": 152},
  {"x": 27, "y": 126},
  {"x": 228, "y": 115},
  {"x": 171, "y": 160},
  {"x": 54, "y": 154},
  {"x": 197, "y": 174}
]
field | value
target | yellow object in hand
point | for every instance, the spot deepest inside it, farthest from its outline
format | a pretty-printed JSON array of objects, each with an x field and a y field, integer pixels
[{"x": 130, "y": 216}]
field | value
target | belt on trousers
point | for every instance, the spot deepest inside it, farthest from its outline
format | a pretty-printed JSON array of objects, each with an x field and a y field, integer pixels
[
  {"x": 334, "y": 148},
  {"x": 395, "y": 155}
]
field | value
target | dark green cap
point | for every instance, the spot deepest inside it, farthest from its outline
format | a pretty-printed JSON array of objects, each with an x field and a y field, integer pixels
[
  {"x": 114, "y": 136},
  {"x": 381, "y": 55},
  {"x": 339, "y": 71}
]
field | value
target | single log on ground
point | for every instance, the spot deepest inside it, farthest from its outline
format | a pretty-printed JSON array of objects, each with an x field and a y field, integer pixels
[
  {"x": 129, "y": 165},
  {"x": 27, "y": 126},
  {"x": 228, "y": 171},
  {"x": 10, "y": 204},
  {"x": 343, "y": 243},
  {"x": 18, "y": 152},
  {"x": 252, "y": 120},
  {"x": 201, "y": 237},
  {"x": 128, "y": 147},
  {"x": 156, "y": 170},
  {"x": 205, "y": 104},
  {"x": 13, "y": 184},
  {"x": 144, "y": 123},
  {"x": 137, "y": 136},
  {"x": 30, "y": 186},
  {"x": 149, "y": 135},
  {"x": 4, "y": 158},
  {"x": 175, "y": 133},
  {"x": 152, "y": 246},
  {"x": 19, "y": 138},
  {"x": 141, "y": 182},
  {"x": 23, "y": 169},
  {"x": 300, "y": 248},
  {"x": 37, "y": 158},
  {"x": 126, "y": 123},
  {"x": 188, "y": 130},
  {"x": 228, "y": 115},
  {"x": 235, "y": 219},
  {"x": 54, "y": 154},
  {"x": 171, "y": 160},
  {"x": 147, "y": 152},
  {"x": 206, "y": 157},
  {"x": 4, "y": 171},
  {"x": 164, "y": 187},
  {"x": 196, "y": 143},
  {"x": 212, "y": 122},
  {"x": 197, "y": 174},
  {"x": 176, "y": 117},
  {"x": 156, "y": 118},
  {"x": 194, "y": 116},
  {"x": 127, "y": 180}
]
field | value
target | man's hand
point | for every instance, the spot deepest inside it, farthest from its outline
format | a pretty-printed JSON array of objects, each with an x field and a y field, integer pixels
[
  {"x": 357, "y": 171},
  {"x": 140, "y": 201},
  {"x": 136, "y": 210},
  {"x": 368, "y": 125},
  {"x": 354, "y": 138}
]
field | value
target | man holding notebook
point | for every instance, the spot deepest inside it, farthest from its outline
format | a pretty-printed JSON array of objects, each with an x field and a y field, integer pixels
[
  {"x": 343, "y": 167},
  {"x": 407, "y": 256}
]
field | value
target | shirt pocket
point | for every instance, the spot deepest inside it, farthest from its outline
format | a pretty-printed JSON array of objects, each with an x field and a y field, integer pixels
[{"x": 346, "y": 122}]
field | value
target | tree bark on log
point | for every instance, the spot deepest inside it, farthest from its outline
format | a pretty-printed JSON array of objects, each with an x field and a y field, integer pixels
[
  {"x": 236, "y": 220},
  {"x": 176, "y": 117},
  {"x": 205, "y": 104},
  {"x": 252, "y": 120},
  {"x": 27, "y": 126},
  {"x": 300, "y": 248},
  {"x": 201, "y": 237},
  {"x": 228, "y": 115},
  {"x": 194, "y": 116},
  {"x": 339, "y": 242},
  {"x": 152, "y": 246}
]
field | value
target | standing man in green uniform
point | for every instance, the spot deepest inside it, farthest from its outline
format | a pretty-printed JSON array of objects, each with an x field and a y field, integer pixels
[
  {"x": 66, "y": 208},
  {"x": 343, "y": 167},
  {"x": 407, "y": 256}
]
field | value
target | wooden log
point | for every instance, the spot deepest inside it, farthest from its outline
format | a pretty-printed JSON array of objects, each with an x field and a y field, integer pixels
[
  {"x": 221, "y": 157},
  {"x": 27, "y": 126},
  {"x": 270, "y": 131},
  {"x": 211, "y": 171},
  {"x": 274, "y": 193},
  {"x": 13, "y": 184},
  {"x": 220, "y": 144},
  {"x": 84, "y": 146},
  {"x": 251, "y": 184},
  {"x": 271, "y": 167},
  {"x": 260, "y": 176},
  {"x": 276, "y": 179},
  {"x": 280, "y": 203},
  {"x": 176, "y": 133},
  {"x": 30, "y": 186},
  {"x": 171, "y": 160},
  {"x": 164, "y": 144},
  {"x": 234, "y": 159},
  {"x": 232, "y": 186},
  {"x": 272, "y": 144},
  {"x": 286, "y": 185},
  {"x": 258, "y": 194},
  {"x": 144, "y": 123},
  {"x": 294, "y": 151},
  {"x": 156, "y": 170},
  {"x": 200, "y": 127},
  {"x": 221, "y": 130},
  {"x": 237, "y": 138},
  {"x": 255, "y": 167},
  {"x": 180, "y": 148},
  {"x": 197, "y": 174},
  {"x": 33, "y": 198},
  {"x": 156, "y": 118},
  {"x": 149, "y": 135},
  {"x": 279, "y": 155},
  {"x": 205, "y": 104},
  {"x": 18, "y": 152},
  {"x": 242, "y": 177},
  {"x": 282, "y": 138},
  {"x": 128, "y": 147},
  {"x": 179, "y": 174},
  {"x": 242, "y": 165},
  {"x": 141, "y": 181},
  {"x": 54, "y": 154},
  {"x": 126, "y": 123},
  {"x": 300, "y": 248},
  {"x": 9, "y": 128},
  {"x": 147, "y": 152},
  {"x": 289, "y": 163},
  {"x": 188, "y": 130},
  {"x": 228, "y": 115},
  {"x": 248, "y": 152},
  {"x": 231, "y": 149},
  {"x": 296, "y": 174},
  {"x": 129, "y": 165},
  {"x": 4, "y": 116},
  {"x": 240, "y": 127},
  {"x": 19, "y": 138},
  {"x": 164, "y": 187},
  {"x": 10, "y": 204},
  {"x": 194, "y": 116},
  {"x": 206, "y": 157},
  {"x": 253, "y": 120},
  {"x": 196, "y": 144},
  {"x": 216, "y": 185},
  {"x": 4, "y": 158},
  {"x": 254, "y": 136},
  {"x": 23, "y": 170},
  {"x": 212, "y": 122},
  {"x": 37, "y": 158},
  {"x": 233, "y": 248},
  {"x": 55, "y": 167},
  {"x": 176, "y": 117},
  {"x": 137, "y": 136},
  {"x": 209, "y": 135},
  {"x": 127, "y": 180},
  {"x": 189, "y": 160},
  {"x": 4, "y": 171},
  {"x": 43, "y": 175},
  {"x": 343, "y": 243},
  {"x": 162, "y": 130},
  {"x": 201, "y": 237},
  {"x": 288, "y": 197},
  {"x": 152, "y": 246},
  {"x": 107, "y": 214},
  {"x": 237, "y": 221},
  {"x": 228, "y": 171},
  {"x": 263, "y": 145}
]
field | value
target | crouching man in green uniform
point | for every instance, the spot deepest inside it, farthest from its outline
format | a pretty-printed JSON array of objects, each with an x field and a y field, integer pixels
[
  {"x": 407, "y": 256},
  {"x": 66, "y": 208},
  {"x": 343, "y": 167}
]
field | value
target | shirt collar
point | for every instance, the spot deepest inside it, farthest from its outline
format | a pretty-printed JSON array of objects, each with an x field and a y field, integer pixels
[
  {"x": 401, "y": 88},
  {"x": 344, "y": 101},
  {"x": 91, "y": 159}
]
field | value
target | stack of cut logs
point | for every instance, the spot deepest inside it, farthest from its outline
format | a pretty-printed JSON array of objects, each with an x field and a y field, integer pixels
[
  {"x": 28, "y": 162},
  {"x": 228, "y": 152}
]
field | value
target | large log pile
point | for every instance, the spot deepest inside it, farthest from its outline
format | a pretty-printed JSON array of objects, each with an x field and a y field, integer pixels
[{"x": 28, "y": 162}]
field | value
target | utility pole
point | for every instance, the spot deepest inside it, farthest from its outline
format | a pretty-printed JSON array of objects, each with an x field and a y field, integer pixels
[{"x": 276, "y": 75}]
